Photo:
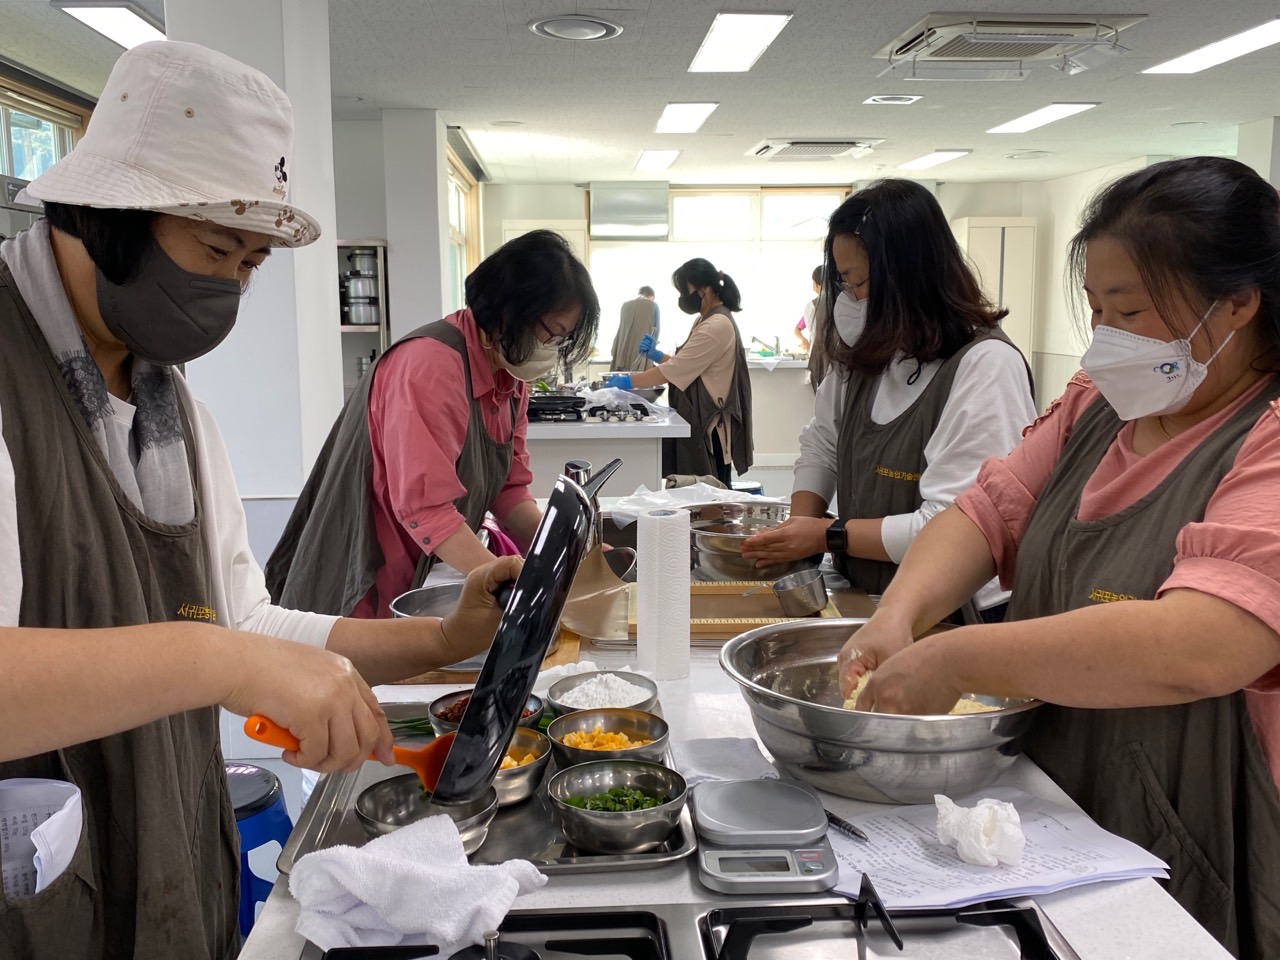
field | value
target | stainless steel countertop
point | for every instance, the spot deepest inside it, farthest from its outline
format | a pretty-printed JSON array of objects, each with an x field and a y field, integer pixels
[{"x": 1134, "y": 920}]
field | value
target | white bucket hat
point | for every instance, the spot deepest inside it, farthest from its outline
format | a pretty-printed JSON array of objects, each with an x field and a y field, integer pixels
[{"x": 185, "y": 130}]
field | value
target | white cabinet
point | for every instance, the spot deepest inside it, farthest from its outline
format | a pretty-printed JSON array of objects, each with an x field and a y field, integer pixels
[{"x": 1003, "y": 252}]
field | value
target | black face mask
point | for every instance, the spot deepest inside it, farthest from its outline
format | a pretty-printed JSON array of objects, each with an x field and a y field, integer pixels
[
  {"x": 168, "y": 315},
  {"x": 691, "y": 302}
]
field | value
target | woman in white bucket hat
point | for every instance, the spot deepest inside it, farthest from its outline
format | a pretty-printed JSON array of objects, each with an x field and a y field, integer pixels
[{"x": 131, "y": 607}]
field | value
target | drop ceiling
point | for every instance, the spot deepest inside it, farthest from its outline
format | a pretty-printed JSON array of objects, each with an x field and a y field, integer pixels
[{"x": 586, "y": 110}]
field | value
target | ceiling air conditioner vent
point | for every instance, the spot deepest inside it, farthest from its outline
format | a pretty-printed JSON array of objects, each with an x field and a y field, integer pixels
[
  {"x": 979, "y": 37},
  {"x": 813, "y": 149}
]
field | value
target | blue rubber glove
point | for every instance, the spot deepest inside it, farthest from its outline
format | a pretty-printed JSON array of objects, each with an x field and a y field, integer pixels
[
  {"x": 648, "y": 349},
  {"x": 621, "y": 381}
]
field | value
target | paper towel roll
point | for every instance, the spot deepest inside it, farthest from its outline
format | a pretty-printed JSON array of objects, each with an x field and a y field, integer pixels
[{"x": 662, "y": 588}]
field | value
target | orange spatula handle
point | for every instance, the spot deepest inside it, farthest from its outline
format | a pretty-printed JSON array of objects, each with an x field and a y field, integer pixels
[{"x": 267, "y": 731}]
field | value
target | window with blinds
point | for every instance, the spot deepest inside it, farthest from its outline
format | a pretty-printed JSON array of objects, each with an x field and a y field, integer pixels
[{"x": 33, "y": 135}]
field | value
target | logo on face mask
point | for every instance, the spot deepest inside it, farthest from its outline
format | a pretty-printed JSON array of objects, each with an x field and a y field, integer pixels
[{"x": 1118, "y": 361}]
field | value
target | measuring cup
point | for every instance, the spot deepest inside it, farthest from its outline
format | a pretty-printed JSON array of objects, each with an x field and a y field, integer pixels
[
  {"x": 425, "y": 761},
  {"x": 802, "y": 593}
]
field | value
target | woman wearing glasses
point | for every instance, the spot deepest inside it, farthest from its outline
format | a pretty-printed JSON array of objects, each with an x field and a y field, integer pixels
[
  {"x": 434, "y": 438},
  {"x": 709, "y": 378},
  {"x": 922, "y": 388}
]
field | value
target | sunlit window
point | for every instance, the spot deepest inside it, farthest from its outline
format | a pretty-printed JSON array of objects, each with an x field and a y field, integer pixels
[
  {"x": 713, "y": 216},
  {"x": 33, "y": 136},
  {"x": 797, "y": 215}
]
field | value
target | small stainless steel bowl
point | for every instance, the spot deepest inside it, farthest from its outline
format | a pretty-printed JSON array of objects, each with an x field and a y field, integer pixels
[
  {"x": 399, "y": 801},
  {"x": 519, "y": 783},
  {"x": 801, "y": 594},
  {"x": 565, "y": 684},
  {"x": 718, "y": 530},
  {"x": 628, "y": 831},
  {"x": 443, "y": 726},
  {"x": 787, "y": 675},
  {"x": 634, "y": 723}
]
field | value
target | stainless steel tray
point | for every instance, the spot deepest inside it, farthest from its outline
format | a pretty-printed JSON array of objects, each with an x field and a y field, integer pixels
[{"x": 525, "y": 831}]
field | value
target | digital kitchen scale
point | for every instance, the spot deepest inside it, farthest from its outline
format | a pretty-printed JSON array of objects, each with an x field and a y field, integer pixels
[{"x": 762, "y": 836}]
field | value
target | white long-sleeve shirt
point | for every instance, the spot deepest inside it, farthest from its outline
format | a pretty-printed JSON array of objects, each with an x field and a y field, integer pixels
[
  {"x": 240, "y": 596},
  {"x": 989, "y": 406}
]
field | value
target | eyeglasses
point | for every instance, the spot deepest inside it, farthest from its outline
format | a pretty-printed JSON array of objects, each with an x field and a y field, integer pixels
[
  {"x": 556, "y": 339},
  {"x": 845, "y": 285}
]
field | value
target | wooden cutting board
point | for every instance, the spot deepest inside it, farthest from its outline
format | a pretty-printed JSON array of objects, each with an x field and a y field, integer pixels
[
  {"x": 566, "y": 652},
  {"x": 719, "y": 611}
]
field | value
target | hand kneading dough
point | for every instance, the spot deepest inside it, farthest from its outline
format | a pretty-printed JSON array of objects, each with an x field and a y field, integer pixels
[{"x": 962, "y": 706}]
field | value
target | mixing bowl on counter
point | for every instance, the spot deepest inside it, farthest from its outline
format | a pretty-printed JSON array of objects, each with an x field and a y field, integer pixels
[
  {"x": 787, "y": 674},
  {"x": 445, "y": 712},
  {"x": 438, "y": 600},
  {"x": 604, "y": 724},
  {"x": 718, "y": 530},
  {"x": 399, "y": 801},
  {"x": 623, "y": 830}
]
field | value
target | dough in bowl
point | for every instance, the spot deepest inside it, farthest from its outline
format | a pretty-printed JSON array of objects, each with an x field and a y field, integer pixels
[{"x": 963, "y": 705}]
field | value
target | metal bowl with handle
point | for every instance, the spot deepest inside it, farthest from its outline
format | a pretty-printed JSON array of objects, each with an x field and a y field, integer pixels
[
  {"x": 787, "y": 674},
  {"x": 718, "y": 530}
]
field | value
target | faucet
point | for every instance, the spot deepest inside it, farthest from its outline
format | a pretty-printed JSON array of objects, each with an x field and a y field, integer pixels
[{"x": 761, "y": 342}]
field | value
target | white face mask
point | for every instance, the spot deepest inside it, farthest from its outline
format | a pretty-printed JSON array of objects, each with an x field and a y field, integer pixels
[
  {"x": 540, "y": 363},
  {"x": 851, "y": 317},
  {"x": 1143, "y": 376}
]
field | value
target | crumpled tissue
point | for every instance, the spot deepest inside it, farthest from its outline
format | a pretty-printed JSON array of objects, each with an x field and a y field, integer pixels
[{"x": 987, "y": 835}]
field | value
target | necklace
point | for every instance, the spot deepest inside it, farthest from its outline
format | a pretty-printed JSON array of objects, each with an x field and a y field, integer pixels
[{"x": 1163, "y": 428}]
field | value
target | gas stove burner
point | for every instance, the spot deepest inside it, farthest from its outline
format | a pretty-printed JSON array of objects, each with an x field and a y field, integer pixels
[
  {"x": 506, "y": 951},
  {"x": 632, "y": 411}
]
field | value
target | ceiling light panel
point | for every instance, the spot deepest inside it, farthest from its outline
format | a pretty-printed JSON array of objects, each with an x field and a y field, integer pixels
[
  {"x": 892, "y": 99},
  {"x": 933, "y": 159},
  {"x": 1038, "y": 118},
  {"x": 736, "y": 40},
  {"x": 1223, "y": 50},
  {"x": 655, "y": 160},
  {"x": 121, "y": 23},
  {"x": 684, "y": 117}
]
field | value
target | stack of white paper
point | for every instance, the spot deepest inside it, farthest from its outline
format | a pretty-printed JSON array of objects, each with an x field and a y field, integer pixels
[{"x": 911, "y": 868}]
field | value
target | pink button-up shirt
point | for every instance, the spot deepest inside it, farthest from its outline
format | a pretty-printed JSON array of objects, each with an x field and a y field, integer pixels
[{"x": 419, "y": 410}]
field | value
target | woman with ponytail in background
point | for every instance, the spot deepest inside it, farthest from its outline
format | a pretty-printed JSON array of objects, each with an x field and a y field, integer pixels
[{"x": 710, "y": 382}]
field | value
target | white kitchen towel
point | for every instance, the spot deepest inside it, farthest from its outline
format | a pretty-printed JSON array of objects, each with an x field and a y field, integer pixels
[
  {"x": 987, "y": 835},
  {"x": 720, "y": 758},
  {"x": 410, "y": 884}
]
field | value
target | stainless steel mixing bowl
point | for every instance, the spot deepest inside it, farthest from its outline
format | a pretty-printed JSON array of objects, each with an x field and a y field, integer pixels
[
  {"x": 440, "y": 704},
  {"x": 518, "y": 783},
  {"x": 636, "y": 724},
  {"x": 631, "y": 831},
  {"x": 565, "y": 684},
  {"x": 718, "y": 530},
  {"x": 787, "y": 674},
  {"x": 399, "y": 801},
  {"x": 438, "y": 600}
]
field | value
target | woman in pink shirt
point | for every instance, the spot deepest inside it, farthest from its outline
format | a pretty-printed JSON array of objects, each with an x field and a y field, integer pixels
[
  {"x": 433, "y": 439},
  {"x": 1138, "y": 525}
]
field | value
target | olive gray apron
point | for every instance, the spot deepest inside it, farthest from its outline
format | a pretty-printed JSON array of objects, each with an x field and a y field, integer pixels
[
  {"x": 155, "y": 875},
  {"x": 328, "y": 556},
  {"x": 1187, "y": 782},
  {"x": 693, "y": 455},
  {"x": 879, "y": 465}
]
